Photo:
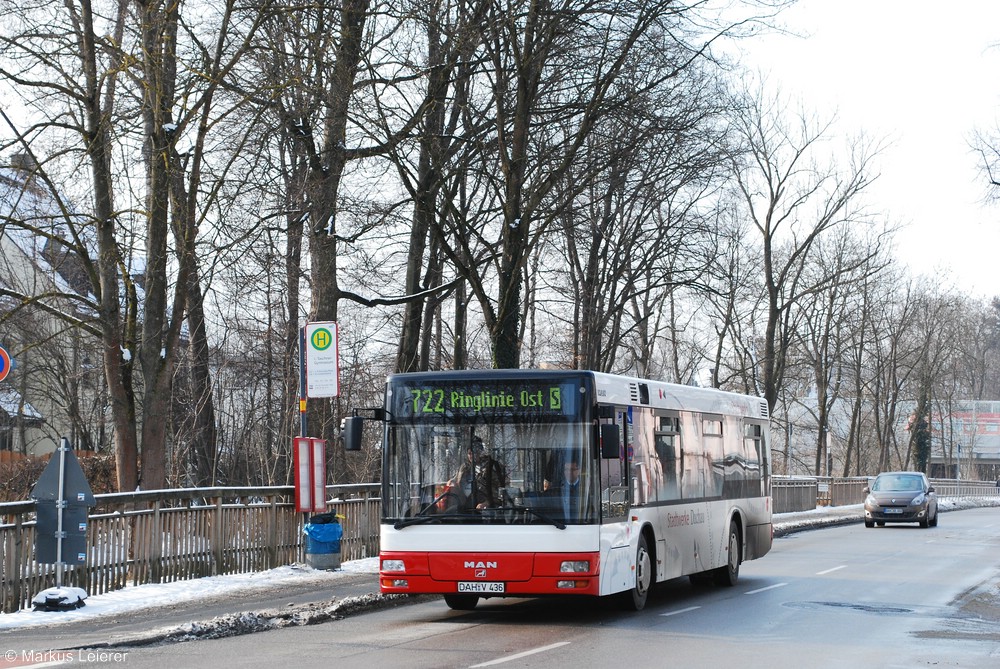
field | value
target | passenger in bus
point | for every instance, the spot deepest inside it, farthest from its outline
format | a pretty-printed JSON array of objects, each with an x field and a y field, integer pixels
[
  {"x": 480, "y": 478},
  {"x": 570, "y": 490},
  {"x": 553, "y": 468},
  {"x": 551, "y": 471}
]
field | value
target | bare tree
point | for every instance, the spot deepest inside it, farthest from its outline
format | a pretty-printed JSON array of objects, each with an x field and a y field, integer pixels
[
  {"x": 976, "y": 366},
  {"x": 889, "y": 364},
  {"x": 85, "y": 84},
  {"x": 934, "y": 339},
  {"x": 794, "y": 199},
  {"x": 734, "y": 292},
  {"x": 115, "y": 59},
  {"x": 987, "y": 145},
  {"x": 442, "y": 133},
  {"x": 556, "y": 72},
  {"x": 827, "y": 320}
]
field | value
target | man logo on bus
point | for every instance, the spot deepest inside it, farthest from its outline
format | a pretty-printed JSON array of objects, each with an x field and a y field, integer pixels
[
  {"x": 321, "y": 339},
  {"x": 469, "y": 564}
]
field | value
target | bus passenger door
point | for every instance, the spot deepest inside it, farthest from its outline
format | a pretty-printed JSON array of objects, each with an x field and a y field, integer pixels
[
  {"x": 617, "y": 554},
  {"x": 615, "y": 496}
]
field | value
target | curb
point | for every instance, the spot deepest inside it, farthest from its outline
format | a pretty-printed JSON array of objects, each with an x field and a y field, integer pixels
[{"x": 816, "y": 524}]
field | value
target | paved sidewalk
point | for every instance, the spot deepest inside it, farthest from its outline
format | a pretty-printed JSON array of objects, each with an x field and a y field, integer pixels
[{"x": 825, "y": 516}]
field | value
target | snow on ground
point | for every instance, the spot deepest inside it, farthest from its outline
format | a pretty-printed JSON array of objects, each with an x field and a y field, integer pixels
[{"x": 137, "y": 597}]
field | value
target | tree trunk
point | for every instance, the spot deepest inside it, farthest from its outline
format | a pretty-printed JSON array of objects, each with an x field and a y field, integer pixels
[
  {"x": 460, "y": 355},
  {"x": 159, "y": 330},
  {"x": 203, "y": 440},
  {"x": 117, "y": 333}
]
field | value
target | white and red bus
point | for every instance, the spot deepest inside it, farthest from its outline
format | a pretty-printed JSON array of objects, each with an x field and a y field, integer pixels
[{"x": 671, "y": 481}]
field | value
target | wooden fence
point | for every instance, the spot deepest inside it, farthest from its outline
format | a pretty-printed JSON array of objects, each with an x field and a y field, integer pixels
[{"x": 173, "y": 535}]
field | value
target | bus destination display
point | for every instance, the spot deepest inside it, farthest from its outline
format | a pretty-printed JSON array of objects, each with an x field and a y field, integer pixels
[{"x": 460, "y": 398}]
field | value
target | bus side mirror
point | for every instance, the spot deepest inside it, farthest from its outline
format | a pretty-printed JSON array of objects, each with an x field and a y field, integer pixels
[
  {"x": 610, "y": 441},
  {"x": 350, "y": 432}
]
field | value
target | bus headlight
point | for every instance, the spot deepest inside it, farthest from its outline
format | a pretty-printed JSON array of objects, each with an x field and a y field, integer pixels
[
  {"x": 575, "y": 566},
  {"x": 393, "y": 565}
]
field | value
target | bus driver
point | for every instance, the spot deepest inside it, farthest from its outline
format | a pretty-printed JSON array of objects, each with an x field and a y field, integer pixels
[{"x": 480, "y": 478}]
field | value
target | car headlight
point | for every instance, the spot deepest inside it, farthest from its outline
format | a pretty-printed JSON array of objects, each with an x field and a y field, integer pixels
[
  {"x": 870, "y": 501},
  {"x": 919, "y": 499}
]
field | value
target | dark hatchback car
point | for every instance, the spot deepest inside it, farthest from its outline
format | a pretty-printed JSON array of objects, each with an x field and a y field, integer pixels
[{"x": 901, "y": 497}]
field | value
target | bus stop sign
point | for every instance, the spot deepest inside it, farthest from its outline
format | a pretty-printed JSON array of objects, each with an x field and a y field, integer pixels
[{"x": 322, "y": 360}]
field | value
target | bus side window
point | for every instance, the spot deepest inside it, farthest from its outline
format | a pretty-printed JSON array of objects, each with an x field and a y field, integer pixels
[
  {"x": 647, "y": 471},
  {"x": 668, "y": 446},
  {"x": 756, "y": 459},
  {"x": 713, "y": 436}
]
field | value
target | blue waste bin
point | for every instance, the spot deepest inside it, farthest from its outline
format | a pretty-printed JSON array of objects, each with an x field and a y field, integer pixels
[{"x": 323, "y": 533}]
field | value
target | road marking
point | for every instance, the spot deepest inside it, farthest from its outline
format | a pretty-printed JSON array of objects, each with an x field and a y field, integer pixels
[
  {"x": 518, "y": 656},
  {"x": 675, "y": 613},
  {"x": 830, "y": 571},
  {"x": 770, "y": 587}
]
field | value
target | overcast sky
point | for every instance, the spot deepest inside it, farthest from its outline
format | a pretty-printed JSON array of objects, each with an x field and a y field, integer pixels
[{"x": 922, "y": 75}]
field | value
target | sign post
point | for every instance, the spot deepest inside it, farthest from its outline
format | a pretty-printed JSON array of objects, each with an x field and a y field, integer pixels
[
  {"x": 303, "y": 421},
  {"x": 319, "y": 376},
  {"x": 62, "y": 502}
]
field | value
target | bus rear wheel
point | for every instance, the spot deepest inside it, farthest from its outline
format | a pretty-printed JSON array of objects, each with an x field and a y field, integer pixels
[
  {"x": 461, "y": 602},
  {"x": 730, "y": 574},
  {"x": 635, "y": 599}
]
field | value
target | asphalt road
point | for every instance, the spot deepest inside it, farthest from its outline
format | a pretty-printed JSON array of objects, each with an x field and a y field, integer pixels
[{"x": 848, "y": 596}]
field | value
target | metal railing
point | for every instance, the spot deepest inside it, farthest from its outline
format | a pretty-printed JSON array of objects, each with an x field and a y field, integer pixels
[
  {"x": 174, "y": 535},
  {"x": 793, "y": 494}
]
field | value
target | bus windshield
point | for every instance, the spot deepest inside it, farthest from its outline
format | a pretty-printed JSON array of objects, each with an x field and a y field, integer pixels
[{"x": 489, "y": 472}]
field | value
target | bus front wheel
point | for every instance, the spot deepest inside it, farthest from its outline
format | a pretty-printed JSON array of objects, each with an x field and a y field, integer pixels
[
  {"x": 461, "y": 602},
  {"x": 635, "y": 599}
]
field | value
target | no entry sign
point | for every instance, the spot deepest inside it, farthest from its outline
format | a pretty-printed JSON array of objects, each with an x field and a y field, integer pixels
[{"x": 5, "y": 363}]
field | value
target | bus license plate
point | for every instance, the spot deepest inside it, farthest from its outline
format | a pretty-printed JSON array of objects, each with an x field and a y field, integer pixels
[{"x": 491, "y": 587}]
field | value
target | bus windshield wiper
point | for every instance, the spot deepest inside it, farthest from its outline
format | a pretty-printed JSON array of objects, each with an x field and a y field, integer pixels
[
  {"x": 423, "y": 516},
  {"x": 537, "y": 514},
  {"x": 414, "y": 520},
  {"x": 426, "y": 518}
]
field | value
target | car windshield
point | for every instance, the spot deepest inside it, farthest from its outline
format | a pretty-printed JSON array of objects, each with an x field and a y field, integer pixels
[{"x": 898, "y": 483}]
